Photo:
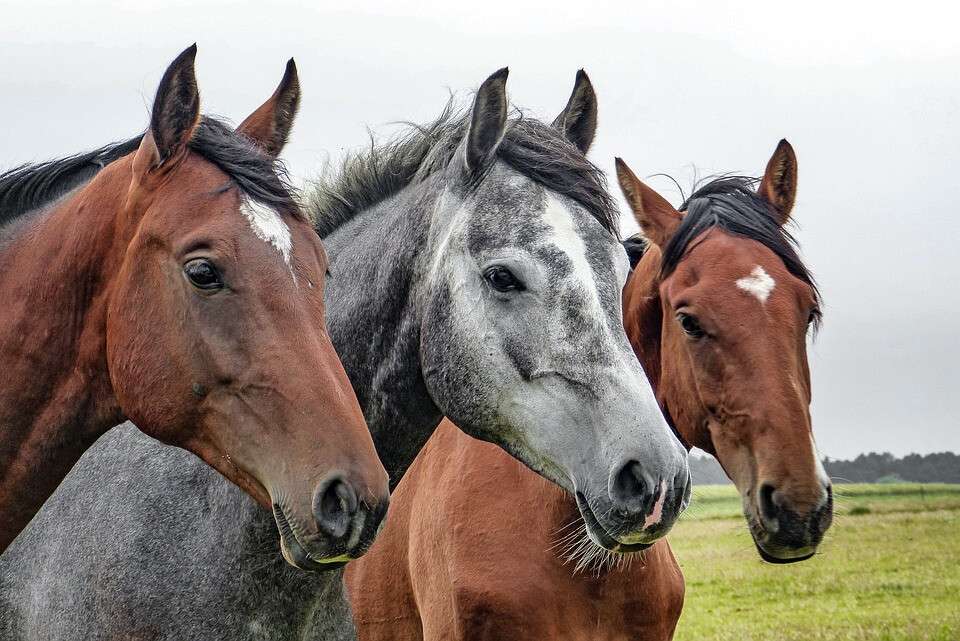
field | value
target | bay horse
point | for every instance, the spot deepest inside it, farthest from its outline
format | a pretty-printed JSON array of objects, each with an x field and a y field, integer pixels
[
  {"x": 477, "y": 274},
  {"x": 173, "y": 280},
  {"x": 718, "y": 309}
]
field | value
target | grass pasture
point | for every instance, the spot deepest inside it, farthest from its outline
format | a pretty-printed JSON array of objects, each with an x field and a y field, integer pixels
[{"x": 888, "y": 570}]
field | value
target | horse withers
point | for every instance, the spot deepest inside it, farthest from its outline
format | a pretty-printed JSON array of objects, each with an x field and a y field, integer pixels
[
  {"x": 720, "y": 327},
  {"x": 181, "y": 287}
]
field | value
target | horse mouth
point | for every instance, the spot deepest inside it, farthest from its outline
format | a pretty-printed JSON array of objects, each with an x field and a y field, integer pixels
[
  {"x": 779, "y": 560},
  {"x": 295, "y": 553},
  {"x": 784, "y": 555},
  {"x": 599, "y": 535}
]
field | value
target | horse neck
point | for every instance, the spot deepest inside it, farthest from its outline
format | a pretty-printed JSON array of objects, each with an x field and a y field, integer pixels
[
  {"x": 374, "y": 317},
  {"x": 56, "y": 398},
  {"x": 645, "y": 324}
]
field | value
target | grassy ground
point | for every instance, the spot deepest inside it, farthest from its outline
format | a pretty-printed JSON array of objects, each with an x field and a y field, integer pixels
[{"x": 888, "y": 570}]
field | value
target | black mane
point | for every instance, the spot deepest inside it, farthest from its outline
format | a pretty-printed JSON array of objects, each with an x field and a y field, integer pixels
[
  {"x": 29, "y": 187},
  {"x": 732, "y": 204},
  {"x": 259, "y": 176},
  {"x": 529, "y": 146}
]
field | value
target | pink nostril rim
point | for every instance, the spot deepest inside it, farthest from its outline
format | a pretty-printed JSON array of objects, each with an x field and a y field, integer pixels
[{"x": 657, "y": 513}]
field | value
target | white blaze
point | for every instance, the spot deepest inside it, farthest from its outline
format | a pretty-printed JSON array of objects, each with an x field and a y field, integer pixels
[
  {"x": 269, "y": 227},
  {"x": 566, "y": 237},
  {"x": 758, "y": 283}
]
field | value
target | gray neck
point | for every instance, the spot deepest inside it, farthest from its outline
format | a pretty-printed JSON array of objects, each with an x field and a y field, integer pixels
[{"x": 378, "y": 262}]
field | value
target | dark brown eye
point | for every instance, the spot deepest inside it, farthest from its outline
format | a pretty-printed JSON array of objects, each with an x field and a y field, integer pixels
[
  {"x": 690, "y": 325},
  {"x": 502, "y": 279},
  {"x": 202, "y": 274}
]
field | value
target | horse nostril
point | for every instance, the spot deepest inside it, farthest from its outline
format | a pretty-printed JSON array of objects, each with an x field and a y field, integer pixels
[
  {"x": 629, "y": 487},
  {"x": 334, "y": 506},
  {"x": 822, "y": 518},
  {"x": 768, "y": 509}
]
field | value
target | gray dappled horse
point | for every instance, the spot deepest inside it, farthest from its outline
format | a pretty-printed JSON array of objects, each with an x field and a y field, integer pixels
[{"x": 475, "y": 274}]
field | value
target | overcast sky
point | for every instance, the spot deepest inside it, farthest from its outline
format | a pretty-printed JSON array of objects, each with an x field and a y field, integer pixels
[{"x": 867, "y": 95}]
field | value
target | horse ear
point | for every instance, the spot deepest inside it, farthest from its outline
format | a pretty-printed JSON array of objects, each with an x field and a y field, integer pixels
[
  {"x": 657, "y": 218},
  {"x": 636, "y": 247},
  {"x": 578, "y": 120},
  {"x": 779, "y": 184},
  {"x": 269, "y": 126},
  {"x": 488, "y": 122},
  {"x": 175, "y": 115}
]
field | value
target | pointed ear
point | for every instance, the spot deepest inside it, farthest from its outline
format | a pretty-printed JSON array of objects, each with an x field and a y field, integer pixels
[
  {"x": 488, "y": 123},
  {"x": 578, "y": 120},
  {"x": 779, "y": 184},
  {"x": 176, "y": 113},
  {"x": 657, "y": 218},
  {"x": 636, "y": 247},
  {"x": 269, "y": 126}
]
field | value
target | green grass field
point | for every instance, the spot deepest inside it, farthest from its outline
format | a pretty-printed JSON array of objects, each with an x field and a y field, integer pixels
[{"x": 888, "y": 570}]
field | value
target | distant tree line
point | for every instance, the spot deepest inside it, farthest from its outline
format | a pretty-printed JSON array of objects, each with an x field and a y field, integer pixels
[{"x": 940, "y": 467}]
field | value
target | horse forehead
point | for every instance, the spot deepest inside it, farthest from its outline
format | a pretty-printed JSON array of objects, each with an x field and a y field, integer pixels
[
  {"x": 506, "y": 211},
  {"x": 268, "y": 225},
  {"x": 758, "y": 283},
  {"x": 736, "y": 280},
  {"x": 721, "y": 260},
  {"x": 513, "y": 210},
  {"x": 573, "y": 231}
]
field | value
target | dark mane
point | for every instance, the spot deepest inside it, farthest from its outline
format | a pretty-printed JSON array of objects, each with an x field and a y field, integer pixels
[
  {"x": 29, "y": 187},
  {"x": 263, "y": 179},
  {"x": 260, "y": 177},
  {"x": 529, "y": 146},
  {"x": 731, "y": 203}
]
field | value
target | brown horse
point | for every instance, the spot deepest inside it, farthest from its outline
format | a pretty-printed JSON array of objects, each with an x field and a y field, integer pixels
[
  {"x": 717, "y": 310},
  {"x": 181, "y": 288}
]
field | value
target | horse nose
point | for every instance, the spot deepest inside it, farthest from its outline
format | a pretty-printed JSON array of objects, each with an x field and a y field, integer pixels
[
  {"x": 786, "y": 525},
  {"x": 769, "y": 509},
  {"x": 630, "y": 489},
  {"x": 335, "y": 506}
]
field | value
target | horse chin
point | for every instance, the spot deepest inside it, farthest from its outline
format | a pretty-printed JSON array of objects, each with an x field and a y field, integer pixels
[
  {"x": 778, "y": 555},
  {"x": 296, "y": 555},
  {"x": 599, "y": 535},
  {"x": 784, "y": 556}
]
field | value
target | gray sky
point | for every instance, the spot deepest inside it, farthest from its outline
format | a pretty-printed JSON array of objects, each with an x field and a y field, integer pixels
[{"x": 867, "y": 96}]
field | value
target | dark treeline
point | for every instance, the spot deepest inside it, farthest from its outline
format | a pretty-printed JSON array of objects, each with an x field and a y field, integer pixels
[{"x": 941, "y": 467}]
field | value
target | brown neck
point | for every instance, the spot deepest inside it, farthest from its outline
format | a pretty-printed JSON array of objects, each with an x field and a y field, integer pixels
[{"x": 56, "y": 398}]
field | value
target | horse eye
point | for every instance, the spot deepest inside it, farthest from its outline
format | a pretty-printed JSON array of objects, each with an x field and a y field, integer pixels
[
  {"x": 690, "y": 325},
  {"x": 202, "y": 274},
  {"x": 502, "y": 279},
  {"x": 814, "y": 315}
]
